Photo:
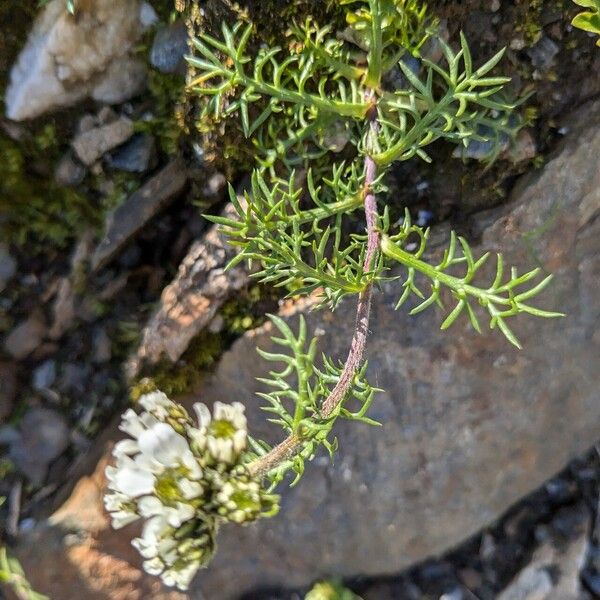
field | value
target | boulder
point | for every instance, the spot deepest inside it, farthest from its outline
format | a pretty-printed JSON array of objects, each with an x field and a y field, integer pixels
[
  {"x": 470, "y": 425},
  {"x": 68, "y": 58}
]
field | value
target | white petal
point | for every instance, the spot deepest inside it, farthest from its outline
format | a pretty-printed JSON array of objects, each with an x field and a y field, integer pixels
[
  {"x": 122, "y": 518},
  {"x": 202, "y": 414},
  {"x": 154, "y": 566},
  {"x": 164, "y": 444},
  {"x": 190, "y": 489},
  {"x": 150, "y": 506},
  {"x": 131, "y": 423},
  {"x": 155, "y": 400},
  {"x": 127, "y": 447},
  {"x": 133, "y": 482}
]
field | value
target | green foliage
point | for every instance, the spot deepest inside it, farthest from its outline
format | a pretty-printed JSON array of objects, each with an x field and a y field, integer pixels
[
  {"x": 12, "y": 574},
  {"x": 502, "y": 299},
  {"x": 297, "y": 224},
  {"x": 297, "y": 392},
  {"x": 36, "y": 213},
  {"x": 588, "y": 20}
]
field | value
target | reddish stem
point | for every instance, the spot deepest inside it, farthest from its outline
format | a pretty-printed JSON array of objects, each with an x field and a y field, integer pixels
[{"x": 291, "y": 445}]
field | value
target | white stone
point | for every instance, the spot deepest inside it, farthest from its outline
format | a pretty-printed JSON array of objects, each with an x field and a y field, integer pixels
[{"x": 67, "y": 59}]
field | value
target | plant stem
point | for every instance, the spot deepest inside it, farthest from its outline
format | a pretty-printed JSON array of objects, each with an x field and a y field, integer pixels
[{"x": 291, "y": 445}]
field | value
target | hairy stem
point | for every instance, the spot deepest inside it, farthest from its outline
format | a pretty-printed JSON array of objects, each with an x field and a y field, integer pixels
[{"x": 293, "y": 444}]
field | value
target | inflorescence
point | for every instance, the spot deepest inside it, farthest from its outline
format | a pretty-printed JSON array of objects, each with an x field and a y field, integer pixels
[{"x": 185, "y": 479}]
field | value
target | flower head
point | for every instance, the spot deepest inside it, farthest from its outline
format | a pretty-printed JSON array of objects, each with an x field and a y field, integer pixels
[
  {"x": 184, "y": 480},
  {"x": 225, "y": 432}
]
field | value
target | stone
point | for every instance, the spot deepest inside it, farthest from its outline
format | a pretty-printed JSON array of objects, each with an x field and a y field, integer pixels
[
  {"x": 543, "y": 53},
  {"x": 43, "y": 437},
  {"x": 191, "y": 301},
  {"x": 26, "y": 337},
  {"x": 8, "y": 388},
  {"x": 138, "y": 155},
  {"x": 137, "y": 210},
  {"x": 169, "y": 48},
  {"x": 69, "y": 172},
  {"x": 89, "y": 146},
  {"x": 8, "y": 266},
  {"x": 123, "y": 79},
  {"x": 67, "y": 58},
  {"x": 470, "y": 425},
  {"x": 44, "y": 375},
  {"x": 101, "y": 346},
  {"x": 554, "y": 570}
]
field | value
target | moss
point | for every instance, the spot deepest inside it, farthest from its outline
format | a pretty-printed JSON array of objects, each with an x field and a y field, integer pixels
[
  {"x": 240, "y": 314},
  {"x": 183, "y": 376},
  {"x": 37, "y": 214},
  {"x": 167, "y": 123}
]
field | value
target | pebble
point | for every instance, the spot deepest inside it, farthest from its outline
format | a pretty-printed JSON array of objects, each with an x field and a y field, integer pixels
[
  {"x": 101, "y": 346},
  {"x": 138, "y": 155},
  {"x": 91, "y": 145},
  {"x": 169, "y": 48},
  {"x": 74, "y": 377},
  {"x": 44, "y": 375},
  {"x": 43, "y": 437},
  {"x": 69, "y": 172},
  {"x": 25, "y": 337},
  {"x": 543, "y": 53}
]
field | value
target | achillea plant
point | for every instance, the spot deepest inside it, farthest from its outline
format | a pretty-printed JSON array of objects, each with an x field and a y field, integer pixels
[{"x": 187, "y": 477}]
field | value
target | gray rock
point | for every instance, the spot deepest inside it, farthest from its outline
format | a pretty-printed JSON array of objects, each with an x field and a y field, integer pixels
[
  {"x": 138, "y": 155},
  {"x": 74, "y": 378},
  {"x": 138, "y": 209},
  {"x": 123, "y": 79},
  {"x": 8, "y": 266},
  {"x": 43, "y": 437},
  {"x": 44, "y": 375},
  {"x": 69, "y": 172},
  {"x": 25, "y": 337},
  {"x": 101, "y": 346},
  {"x": 169, "y": 48},
  {"x": 554, "y": 570},
  {"x": 91, "y": 145},
  {"x": 543, "y": 53},
  {"x": 67, "y": 59},
  {"x": 469, "y": 424}
]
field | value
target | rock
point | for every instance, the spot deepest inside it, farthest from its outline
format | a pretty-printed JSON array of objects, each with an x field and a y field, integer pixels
[
  {"x": 543, "y": 53},
  {"x": 101, "y": 346},
  {"x": 8, "y": 389},
  {"x": 44, "y": 375},
  {"x": 138, "y": 155},
  {"x": 67, "y": 59},
  {"x": 26, "y": 337},
  {"x": 43, "y": 437},
  {"x": 213, "y": 191},
  {"x": 69, "y": 172},
  {"x": 123, "y": 79},
  {"x": 138, "y": 210},
  {"x": 190, "y": 302},
  {"x": 554, "y": 570},
  {"x": 74, "y": 378},
  {"x": 89, "y": 146},
  {"x": 8, "y": 266},
  {"x": 148, "y": 16},
  {"x": 470, "y": 425},
  {"x": 169, "y": 48}
]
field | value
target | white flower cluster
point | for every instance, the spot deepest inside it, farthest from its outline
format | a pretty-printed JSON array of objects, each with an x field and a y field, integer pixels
[{"x": 184, "y": 479}]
